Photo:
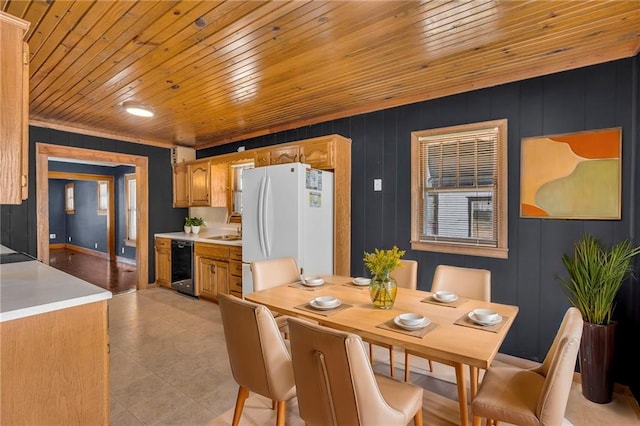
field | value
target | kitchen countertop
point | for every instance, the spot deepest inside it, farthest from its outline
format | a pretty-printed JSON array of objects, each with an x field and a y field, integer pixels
[
  {"x": 32, "y": 288},
  {"x": 202, "y": 237}
]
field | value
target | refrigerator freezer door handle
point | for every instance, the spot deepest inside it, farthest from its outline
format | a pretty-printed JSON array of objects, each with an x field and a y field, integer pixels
[
  {"x": 265, "y": 216},
  {"x": 260, "y": 217}
]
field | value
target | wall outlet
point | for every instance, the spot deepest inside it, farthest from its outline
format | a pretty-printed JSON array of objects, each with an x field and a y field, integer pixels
[
  {"x": 377, "y": 184},
  {"x": 95, "y": 245},
  {"x": 122, "y": 250},
  {"x": 69, "y": 239},
  {"x": 52, "y": 236}
]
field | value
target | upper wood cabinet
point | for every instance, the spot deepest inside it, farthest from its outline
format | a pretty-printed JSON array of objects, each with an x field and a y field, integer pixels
[
  {"x": 200, "y": 179},
  {"x": 181, "y": 183},
  {"x": 200, "y": 183},
  {"x": 318, "y": 153},
  {"x": 14, "y": 110},
  {"x": 284, "y": 154}
]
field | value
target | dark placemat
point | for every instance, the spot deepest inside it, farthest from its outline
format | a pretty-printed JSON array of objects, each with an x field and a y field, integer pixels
[
  {"x": 307, "y": 307},
  {"x": 466, "y": 322},
  {"x": 429, "y": 299},
  {"x": 357, "y": 287},
  {"x": 301, "y": 286},
  {"x": 420, "y": 333}
]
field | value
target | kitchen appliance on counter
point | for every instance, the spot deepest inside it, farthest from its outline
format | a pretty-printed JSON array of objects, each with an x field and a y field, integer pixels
[
  {"x": 182, "y": 267},
  {"x": 287, "y": 211}
]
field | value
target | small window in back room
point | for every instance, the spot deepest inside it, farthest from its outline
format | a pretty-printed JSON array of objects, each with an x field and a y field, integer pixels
[
  {"x": 459, "y": 187},
  {"x": 69, "y": 198},
  {"x": 103, "y": 197},
  {"x": 130, "y": 200}
]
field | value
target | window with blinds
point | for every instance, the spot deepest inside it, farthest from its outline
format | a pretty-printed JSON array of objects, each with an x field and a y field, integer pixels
[{"x": 459, "y": 186}]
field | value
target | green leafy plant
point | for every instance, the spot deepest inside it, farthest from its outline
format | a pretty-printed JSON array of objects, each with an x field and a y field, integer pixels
[
  {"x": 595, "y": 276},
  {"x": 382, "y": 262},
  {"x": 197, "y": 221},
  {"x": 187, "y": 221}
]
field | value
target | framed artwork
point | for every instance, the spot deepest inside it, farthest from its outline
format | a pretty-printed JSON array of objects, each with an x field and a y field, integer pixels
[{"x": 571, "y": 176}]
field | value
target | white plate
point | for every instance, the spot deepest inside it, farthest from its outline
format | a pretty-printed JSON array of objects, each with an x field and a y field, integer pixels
[
  {"x": 473, "y": 318},
  {"x": 399, "y": 323},
  {"x": 317, "y": 282},
  {"x": 314, "y": 305},
  {"x": 435, "y": 297},
  {"x": 361, "y": 281}
]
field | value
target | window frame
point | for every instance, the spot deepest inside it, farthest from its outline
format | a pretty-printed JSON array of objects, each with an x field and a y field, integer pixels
[
  {"x": 128, "y": 208},
  {"x": 103, "y": 185},
  {"x": 500, "y": 194},
  {"x": 69, "y": 201}
]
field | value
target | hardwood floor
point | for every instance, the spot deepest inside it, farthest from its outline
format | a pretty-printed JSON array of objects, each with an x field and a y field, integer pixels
[{"x": 113, "y": 276}]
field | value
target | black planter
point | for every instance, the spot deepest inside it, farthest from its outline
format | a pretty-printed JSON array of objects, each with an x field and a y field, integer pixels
[{"x": 596, "y": 361}]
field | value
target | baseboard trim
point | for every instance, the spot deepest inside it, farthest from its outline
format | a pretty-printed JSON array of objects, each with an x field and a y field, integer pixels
[
  {"x": 91, "y": 252},
  {"x": 57, "y": 246},
  {"x": 126, "y": 260}
]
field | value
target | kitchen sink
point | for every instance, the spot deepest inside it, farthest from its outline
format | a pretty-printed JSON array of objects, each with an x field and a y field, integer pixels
[{"x": 227, "y": 237}]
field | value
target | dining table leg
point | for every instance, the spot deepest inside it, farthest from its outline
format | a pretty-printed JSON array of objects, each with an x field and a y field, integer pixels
[{"x": 461, "y": 381}]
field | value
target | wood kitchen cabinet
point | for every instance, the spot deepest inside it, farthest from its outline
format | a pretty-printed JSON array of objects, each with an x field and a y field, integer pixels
[
  {"x": 55, "y": 367},
  {"x": 211, "y": 270},
  {"x": 318, "y": 154},
  {"x": 200, "y": 183},
  {"x": 235, "y": 271},
  {"x": 163, "y": 261},
  {"x": 284, "y": 154},
  {"x": 14, "y": 110},
  {"x": 181, "y": 184}
]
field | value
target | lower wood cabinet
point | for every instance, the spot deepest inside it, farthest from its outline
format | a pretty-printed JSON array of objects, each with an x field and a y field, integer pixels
[
  {"x": 235, "y": 271},
  {"x": 163, "y": 261},
  {"x": 55, "y": 367},
  {"x": 211, "y": 270}
]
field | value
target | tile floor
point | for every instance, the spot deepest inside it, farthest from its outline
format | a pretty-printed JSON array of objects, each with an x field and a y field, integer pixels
[{"x": 169, "y": 366}]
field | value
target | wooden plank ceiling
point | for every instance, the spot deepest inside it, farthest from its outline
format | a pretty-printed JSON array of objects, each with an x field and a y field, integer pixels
[{"x": 221, "y": 71}]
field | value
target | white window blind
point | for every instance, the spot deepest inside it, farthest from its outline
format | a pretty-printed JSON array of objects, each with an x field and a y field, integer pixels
[{"x": 458, "y": 183}]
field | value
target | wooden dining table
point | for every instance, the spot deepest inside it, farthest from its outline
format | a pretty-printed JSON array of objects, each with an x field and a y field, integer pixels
[{"x": 451, "y": 338}]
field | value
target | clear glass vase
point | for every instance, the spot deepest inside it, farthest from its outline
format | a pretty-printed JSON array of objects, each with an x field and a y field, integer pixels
[{"x": 382, "y": 290}]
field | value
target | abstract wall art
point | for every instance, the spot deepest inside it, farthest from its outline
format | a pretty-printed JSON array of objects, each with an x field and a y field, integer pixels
[{"x": 571, "y": 176}]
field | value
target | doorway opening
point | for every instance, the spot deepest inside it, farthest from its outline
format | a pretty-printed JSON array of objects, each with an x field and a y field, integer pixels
[{"x": 45, "y": 151}]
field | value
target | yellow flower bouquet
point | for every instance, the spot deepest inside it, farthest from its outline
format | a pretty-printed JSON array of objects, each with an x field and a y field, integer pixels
[{"x": 383, "y": 288}]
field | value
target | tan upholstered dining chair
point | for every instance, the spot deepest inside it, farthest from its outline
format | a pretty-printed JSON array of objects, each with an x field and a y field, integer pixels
[
  {"x": 337, "y": 386},
  {"x": 406, "y": 276},
  {"x": 465, "y": 282},
  {"x": 532, "y": 396},
  {"x": 272, "y": 273},
  {"x": 259, "y": 358}
]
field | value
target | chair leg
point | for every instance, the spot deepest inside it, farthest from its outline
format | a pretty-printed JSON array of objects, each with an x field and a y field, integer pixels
[
  {"x": 391, "y": 361},
  {"x": 371, "y": 353},
  {"x": 473, "y": 379},
  {"x": 430, "y": 366},
  {"x": 243, "y": 393},
  {"x": 280, "y": 416},
  {"x": 417, "y": 419},
  {"x": 407, "y": 369},
  {"x": 477, "y": 421}
]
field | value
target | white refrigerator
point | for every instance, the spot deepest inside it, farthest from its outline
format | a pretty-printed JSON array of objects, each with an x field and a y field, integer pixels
[{"x": 287, "y": 211}]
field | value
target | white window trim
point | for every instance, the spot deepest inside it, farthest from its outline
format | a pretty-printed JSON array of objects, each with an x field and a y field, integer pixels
[
  {"x": 502, "y": 250},
  {"x": 128, "y": 177},
  {"x": 103, "y": 185},
  {"x": 70, "y": 199}
]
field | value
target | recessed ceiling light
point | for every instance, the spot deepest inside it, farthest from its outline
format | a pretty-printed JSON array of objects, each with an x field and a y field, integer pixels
[{"x": 139, "y": 110}]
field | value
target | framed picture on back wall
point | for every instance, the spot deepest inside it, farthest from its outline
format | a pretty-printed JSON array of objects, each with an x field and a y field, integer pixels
[{"x": 572, "y": 175}]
